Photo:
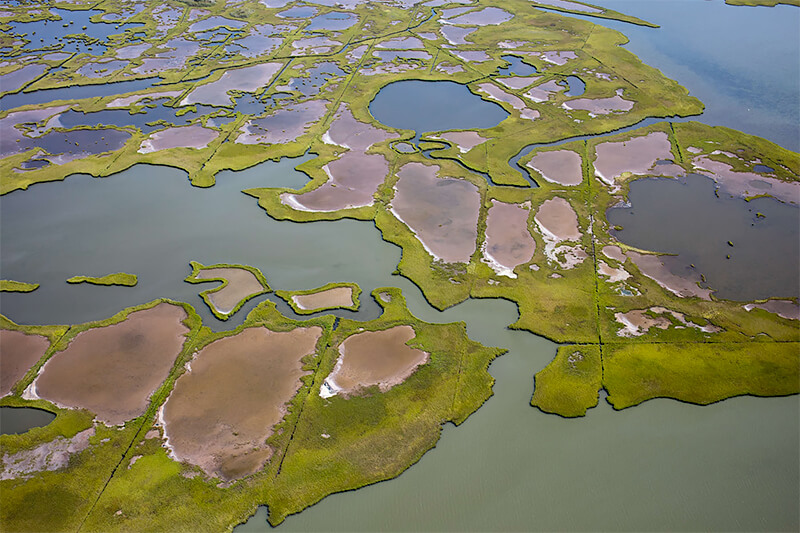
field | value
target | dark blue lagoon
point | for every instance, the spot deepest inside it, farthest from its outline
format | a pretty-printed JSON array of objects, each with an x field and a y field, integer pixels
[{"x": 428, "y": 106}]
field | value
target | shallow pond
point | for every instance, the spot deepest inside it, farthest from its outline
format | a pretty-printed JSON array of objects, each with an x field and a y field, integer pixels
[
  {"x": 16, "y": 420},
  {"x": 765, "y": 256},
  {"x": 428, "y": 106}
]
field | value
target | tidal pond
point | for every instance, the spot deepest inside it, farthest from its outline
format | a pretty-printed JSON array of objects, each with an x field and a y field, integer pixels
[
  {"x": 113, "y": 370},
  {"x": 233, "y": 394},
  {"x": 18, "y": 353},
  {"x": 373, "y": 358},
  {"x": 765, "y": 252},
  {"x": 327, "y": 299},
  {"x": 428, "y": 106},
  {"x": 16, "y": 420},
  {"x": 242, "y": 284},
  {"x": 442, "y": 212}
]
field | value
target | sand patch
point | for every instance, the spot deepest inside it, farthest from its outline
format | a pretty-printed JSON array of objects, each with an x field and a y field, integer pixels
[
  {"x": 783, "y": 308},
  {"x": 227, "y": 404},
  {"x": 47, "y": 457},
  {"x": 639, "y": 321}
]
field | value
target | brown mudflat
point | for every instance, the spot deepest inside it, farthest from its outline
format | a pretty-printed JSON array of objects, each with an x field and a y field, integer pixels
[
  {"x": 18, "y": 352},
  {"x": 559, "y": 166},
  {"x": 637, "y": 156},
  {"x": 662, "y": 270},
  {"x": 354, "y": 179},
  {"x": 113, "y": 370},
  {"x": 336, "y": 297},
  {"x": 372, "y": 358},
  {"x": 508, "y": 241},
  {"x": 442, "y": 212},
  {"x": 558, "y": 219},
  {"x": 241, "y": 284},
  {"x": 227, "y": 404}
]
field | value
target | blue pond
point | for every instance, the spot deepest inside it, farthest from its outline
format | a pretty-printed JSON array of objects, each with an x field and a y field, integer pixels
[
  {"x": 428, "y": 106},
  {"x": 52, "y": 34}
]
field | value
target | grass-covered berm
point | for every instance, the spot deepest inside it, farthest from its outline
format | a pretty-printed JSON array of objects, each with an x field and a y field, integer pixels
[{"x": 129, "y": 477}]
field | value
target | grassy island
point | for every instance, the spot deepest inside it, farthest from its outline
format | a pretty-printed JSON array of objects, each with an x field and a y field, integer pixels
[
  {"x": 240, "y": 283},
  {"x": 120, "y": 278},
  {"x": 7, "y": 285}
]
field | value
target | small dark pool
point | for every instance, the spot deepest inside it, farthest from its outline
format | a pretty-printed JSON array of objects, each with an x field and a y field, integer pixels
[{"x": 16, "y": 420}]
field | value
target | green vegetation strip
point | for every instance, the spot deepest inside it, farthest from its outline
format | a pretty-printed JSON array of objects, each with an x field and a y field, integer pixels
[
  {"x": 7, "y": 285},
  {"x": 120, "y": 278}
]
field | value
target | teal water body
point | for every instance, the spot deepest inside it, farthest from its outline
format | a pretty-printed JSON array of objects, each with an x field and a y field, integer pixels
[{"x": 16, "y": 420}]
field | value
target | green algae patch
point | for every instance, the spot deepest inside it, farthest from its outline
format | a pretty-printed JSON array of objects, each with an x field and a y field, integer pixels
[
  {"x": 7, "y": 285},
  {"x": 331, "y": 296},
  {"x": 699, "y": 373},
  {"x": 240, "y": 283},
  {"x": 569, "y": 385},
  {"x": 120, "y": 278}
]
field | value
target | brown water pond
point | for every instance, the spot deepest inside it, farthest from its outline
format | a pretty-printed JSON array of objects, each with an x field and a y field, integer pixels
[
  {"x": 247, "y": 79},
  {"x": 241, "y": 284},
  {"x": 560, "y": 166},
  {"x": 442, "y": 212},
  {"x": 331, "y": 298},
  {"x": 113, "y": 370},
  {"x": 234, "y": 392},
  {"x": 637, "y": 156},
  {"x": 18, "y": 353},
  {"x": 193, "y": 136},
  {"x": 353, "y": 180},
  {"x": 372, "y": 358},
  {"x": 508, "y": 241}
]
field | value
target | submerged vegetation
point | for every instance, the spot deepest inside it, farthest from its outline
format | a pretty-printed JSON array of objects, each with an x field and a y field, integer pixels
[{"x": 498, "y": 211}]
